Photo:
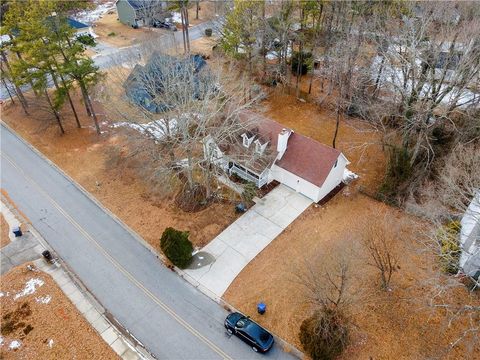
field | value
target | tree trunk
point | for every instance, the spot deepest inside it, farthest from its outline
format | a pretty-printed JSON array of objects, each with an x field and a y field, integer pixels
[
  {"x": 183, "y": 32},
  {"x": 187, "y": 23},
  {"x": 197, "y": 8},
  {"x": 337, "y": 124},
  {"x": 20, "y": 96},
  {"x": 57, "y": 117},
  {"x": 89, "y": 106},
  {"x": 71, "y": 102},
  {"x": 8, "y": 91}
]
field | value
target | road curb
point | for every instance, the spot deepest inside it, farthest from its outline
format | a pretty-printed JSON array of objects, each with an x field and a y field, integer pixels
[
  {"x": 285, "y": 345},
  {"x": 126, "y": 346}
]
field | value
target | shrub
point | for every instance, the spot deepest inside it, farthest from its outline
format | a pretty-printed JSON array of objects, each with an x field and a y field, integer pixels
[
  {"x": 86, "y": 39},
  {"x": 112, "y": 33},
  {"x": 176, "y": 247},
  {"x": 249, "y": 192},
  {"x": 449, "y": 247},
  {"x": 324, "y": 335}
]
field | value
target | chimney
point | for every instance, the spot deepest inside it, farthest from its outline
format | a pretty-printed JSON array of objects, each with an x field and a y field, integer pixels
[{"x": 282, "y": 142}]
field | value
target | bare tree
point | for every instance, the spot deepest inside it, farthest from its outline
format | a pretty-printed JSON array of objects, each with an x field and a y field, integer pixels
[
  {"x": 379, "y": 240},
  {"x": 176, "y": 105},
  {"x": 325, "y": 333}
]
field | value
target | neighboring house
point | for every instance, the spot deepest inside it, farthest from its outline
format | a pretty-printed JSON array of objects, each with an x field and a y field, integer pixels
[
  {"x": 79, "y": 27},
  {"x": 470, "y": 239},
  {"x": 138, "y": 85},
  {"x": 139, "y": 12},
  {"x": 267, "y": 151}
]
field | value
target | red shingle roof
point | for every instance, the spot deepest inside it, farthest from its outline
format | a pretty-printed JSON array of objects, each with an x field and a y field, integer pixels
[{"x": 304, "y": 157}]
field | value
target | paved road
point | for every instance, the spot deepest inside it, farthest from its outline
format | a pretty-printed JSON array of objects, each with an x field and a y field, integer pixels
[{"x": 170, "y": 317}]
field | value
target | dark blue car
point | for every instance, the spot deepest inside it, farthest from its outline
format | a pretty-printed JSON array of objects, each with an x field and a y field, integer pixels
[{"x": 249, "y": 331}]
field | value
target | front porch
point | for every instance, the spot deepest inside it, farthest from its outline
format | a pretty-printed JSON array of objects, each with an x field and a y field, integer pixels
[{"x": 248, "y": 175}]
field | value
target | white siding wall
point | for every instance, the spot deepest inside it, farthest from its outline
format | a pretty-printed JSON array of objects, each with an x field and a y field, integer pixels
[
  {"x": 334, "y": 178},
  {"x": 295, "y": 182}
]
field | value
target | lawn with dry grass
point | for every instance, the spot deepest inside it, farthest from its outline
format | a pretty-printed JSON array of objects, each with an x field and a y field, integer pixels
[
  {"x": 393, "y": 324},
  {"x": 111, "y": 31},
  {"x": 42, "y": 321},
  {"x": 4, "y": 231}
]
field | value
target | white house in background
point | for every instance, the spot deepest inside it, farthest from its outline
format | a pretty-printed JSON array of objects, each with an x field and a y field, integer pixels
[
  {"x": 470, "y": 239},
  {"x": 267, "y": 151}
]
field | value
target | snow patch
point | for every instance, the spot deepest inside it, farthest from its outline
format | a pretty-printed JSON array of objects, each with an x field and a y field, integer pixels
[
  {"x": 176, "y": 17},
  {"x": 90, "y": 16},
  {"x": 156, "y": 129},
  {"x": 30, "y": 287},
  {"x": 14, "y": 345},
  {"x": 43, "y": 299},
  {"x": 349, "y": 176}
]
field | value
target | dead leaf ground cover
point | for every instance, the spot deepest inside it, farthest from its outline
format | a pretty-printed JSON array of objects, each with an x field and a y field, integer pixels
[
  {"x": 4, "y": 231},
  {"x": 44, "y": 322},
  {"x": 388, "y": 325}
]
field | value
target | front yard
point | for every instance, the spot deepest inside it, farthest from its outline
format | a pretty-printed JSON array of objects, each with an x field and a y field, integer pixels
[
  {"x": 393, "y": 324},
  {"x": 84, "y": 156},
  {"x": 40, "y": 322}
]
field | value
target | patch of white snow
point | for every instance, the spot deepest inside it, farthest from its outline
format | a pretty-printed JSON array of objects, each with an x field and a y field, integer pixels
[
  {"x": 30, "y": 287},
  {"x": 176, "y": 17},
  {"x": 349, "y": 176},
  {"x": 43, "y": 299},
  {"x": 15, "y": 344}
]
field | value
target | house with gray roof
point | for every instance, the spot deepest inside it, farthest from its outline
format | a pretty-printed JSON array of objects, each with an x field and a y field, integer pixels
[
  {"x": 146, "y": 85},
  {"x": 139, "y": 12}
]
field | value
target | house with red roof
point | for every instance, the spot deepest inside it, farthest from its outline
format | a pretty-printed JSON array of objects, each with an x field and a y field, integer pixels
[{"x": 266, "y": 151}]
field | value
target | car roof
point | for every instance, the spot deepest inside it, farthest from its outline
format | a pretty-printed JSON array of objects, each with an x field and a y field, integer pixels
[{"x": 256, "y": 331}]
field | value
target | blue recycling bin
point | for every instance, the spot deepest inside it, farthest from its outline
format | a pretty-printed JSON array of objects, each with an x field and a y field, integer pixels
[
  {"x": 261, "y": 308},
  {"x": 17, "y": 231}
]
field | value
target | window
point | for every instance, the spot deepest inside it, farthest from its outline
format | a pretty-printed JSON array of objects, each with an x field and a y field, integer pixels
[
  {"x": 246, "y": 140},
  {"x": 259, "y": 147}
]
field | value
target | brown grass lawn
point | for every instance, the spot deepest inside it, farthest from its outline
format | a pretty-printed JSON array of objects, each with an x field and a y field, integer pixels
[
  {"x": 388, "y": 325},
  {"x": 110, "y": 30},
  {"x": 46, "y": 330},
  {"x": 4, "y": 231},
  {"x": 83, "y": 155}
]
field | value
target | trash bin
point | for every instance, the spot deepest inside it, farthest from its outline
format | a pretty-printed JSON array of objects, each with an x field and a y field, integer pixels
[
  {"x": 240, "y": 208},
  {"x": 17, "y": 231},
  {"x": 261, "y": 308},
  {"x": 47, "y": 255}
]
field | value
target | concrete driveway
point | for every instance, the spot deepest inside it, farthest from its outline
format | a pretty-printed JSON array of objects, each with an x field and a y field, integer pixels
[{"x": 238, "y": 244}]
